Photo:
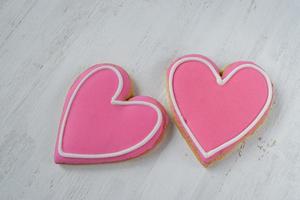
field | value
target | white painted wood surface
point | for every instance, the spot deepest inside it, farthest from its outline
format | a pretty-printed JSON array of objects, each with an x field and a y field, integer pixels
[{"x": 44, "y": 45}]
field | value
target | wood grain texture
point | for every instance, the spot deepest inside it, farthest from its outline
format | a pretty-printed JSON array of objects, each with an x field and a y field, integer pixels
[{"x": 44, "y": 45}]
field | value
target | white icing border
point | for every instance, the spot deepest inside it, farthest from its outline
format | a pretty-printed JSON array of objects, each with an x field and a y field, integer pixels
[
  {"x": 220, "y": 81},
  {"x": 115, "y": 102}
]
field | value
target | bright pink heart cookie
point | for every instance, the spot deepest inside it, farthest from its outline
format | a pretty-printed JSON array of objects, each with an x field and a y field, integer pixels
[
  {"x": 215, "y": 112},
  {"x": 100, "y": 124}
]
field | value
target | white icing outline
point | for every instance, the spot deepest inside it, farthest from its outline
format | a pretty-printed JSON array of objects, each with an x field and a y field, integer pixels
[
  {"x": 221, "y": 82},
  {"x": 114, "y": 101}
]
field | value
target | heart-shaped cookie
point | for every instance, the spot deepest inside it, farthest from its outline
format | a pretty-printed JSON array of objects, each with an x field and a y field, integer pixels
[
  {"x": 101, "y": 124},
  {"x": 215, "y": 111}
]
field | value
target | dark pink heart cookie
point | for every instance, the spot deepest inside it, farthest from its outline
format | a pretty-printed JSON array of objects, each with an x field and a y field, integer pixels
[{"x": 100, "y": 124}]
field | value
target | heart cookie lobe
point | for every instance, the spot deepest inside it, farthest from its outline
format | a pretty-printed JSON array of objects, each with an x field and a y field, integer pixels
[
  {"x": 101, "y": 122},
  {"x": 215, "y": 111}
]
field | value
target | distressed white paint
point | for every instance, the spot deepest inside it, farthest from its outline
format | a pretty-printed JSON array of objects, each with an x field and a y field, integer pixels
[{"x": 45, "y": 44}]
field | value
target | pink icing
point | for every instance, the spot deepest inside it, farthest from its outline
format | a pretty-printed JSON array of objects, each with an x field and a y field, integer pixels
[
  {"x": 217, "y": 113},
  {"x": 95, "y": 126}
]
